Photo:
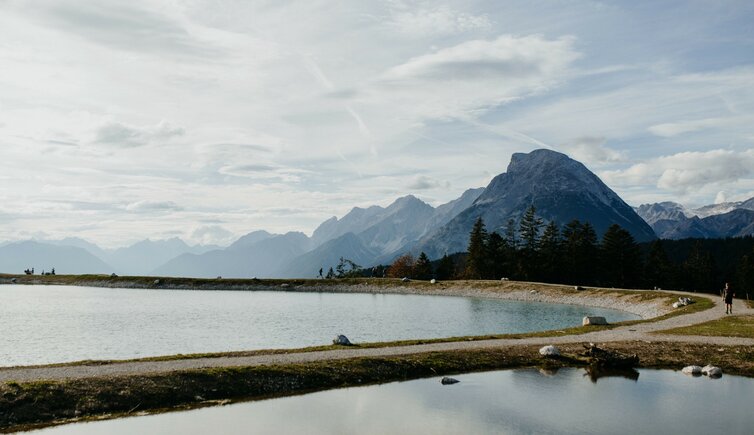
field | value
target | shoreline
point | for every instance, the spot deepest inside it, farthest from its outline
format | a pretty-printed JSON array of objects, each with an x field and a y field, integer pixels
[{"x": 646, "y": 304}]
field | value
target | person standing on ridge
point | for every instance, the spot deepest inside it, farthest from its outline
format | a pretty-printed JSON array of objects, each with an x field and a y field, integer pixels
[{"x": 728, "y": 298}]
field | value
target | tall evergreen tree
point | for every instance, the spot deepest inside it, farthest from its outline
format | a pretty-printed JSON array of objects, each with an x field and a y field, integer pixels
[
  {"x": 581, "y": 255},
  {"x": 423, "y": 267},
  {"x": 620, "y": 258},
  {"x": 745, "y": 277},
  {"x": 476, "y": 261},
  {"x": 496, "y": 255},
  {"x": 446, "y": 269},
  {"x": 658, "y": 269},
  {"x": 529, "y": 230},
  {"x": 551, "y": 253},
  {"x": 699, "y": 270}
]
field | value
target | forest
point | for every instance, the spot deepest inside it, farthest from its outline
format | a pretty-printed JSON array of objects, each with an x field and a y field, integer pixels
[{"x": 573, "y": 254}]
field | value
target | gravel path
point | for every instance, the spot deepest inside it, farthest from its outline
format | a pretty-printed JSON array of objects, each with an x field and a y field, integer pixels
[{"x": 644, "y": 331}]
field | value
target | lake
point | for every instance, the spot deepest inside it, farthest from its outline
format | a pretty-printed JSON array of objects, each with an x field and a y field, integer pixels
[
  {"x": 502, "y": 402},
  {"x": 52, "y": 324}
]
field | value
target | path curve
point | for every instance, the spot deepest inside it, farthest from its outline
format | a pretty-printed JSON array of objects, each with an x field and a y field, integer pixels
[{"x": 639, "y": 332}]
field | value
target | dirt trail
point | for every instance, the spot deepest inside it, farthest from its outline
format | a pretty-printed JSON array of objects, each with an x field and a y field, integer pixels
[{"x": 643, "y": 331}]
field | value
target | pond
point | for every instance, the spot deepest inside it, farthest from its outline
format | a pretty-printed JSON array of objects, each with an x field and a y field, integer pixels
[
  {"x": 511, "y": 402},
  {"x": 52, "y": 324}
]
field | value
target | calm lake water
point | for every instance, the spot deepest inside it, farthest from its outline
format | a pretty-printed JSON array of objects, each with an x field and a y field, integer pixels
[
  {"x": 49, "y": 324},
  {"x": 503, "y": 402}
]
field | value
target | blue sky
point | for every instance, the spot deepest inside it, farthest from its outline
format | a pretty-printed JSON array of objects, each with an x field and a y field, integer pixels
[{"x": 209, "y": 119}]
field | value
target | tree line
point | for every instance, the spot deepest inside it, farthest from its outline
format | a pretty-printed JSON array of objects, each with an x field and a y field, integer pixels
[{"x": 573, "y": 254}]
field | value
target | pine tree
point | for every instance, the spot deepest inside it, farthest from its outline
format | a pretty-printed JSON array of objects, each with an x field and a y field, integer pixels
[
  {"x": 477, "y": 258},
  {"x": 496, "y": 256},
  {"x": 581, "y": 255},
  {"x": 658, "y": 269},
  {"x": 446, "y": 269},
  {"x": 745, "y": 277},
  {"x": 551, "y": 253},
  {"x": 620, "y": 258},
  {"x": 699, "y": 270},
  {"x": 529, "y": 229},
  {"x": 423, "y": 267}
]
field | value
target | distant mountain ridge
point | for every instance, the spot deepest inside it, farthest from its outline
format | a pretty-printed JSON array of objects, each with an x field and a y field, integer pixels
[
  {"x": 671, "y": 220},
  {"x": 560, "y": 188}
]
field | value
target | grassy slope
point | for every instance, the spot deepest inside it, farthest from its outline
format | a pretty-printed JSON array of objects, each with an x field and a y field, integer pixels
[{"x": 732, "y": 326}]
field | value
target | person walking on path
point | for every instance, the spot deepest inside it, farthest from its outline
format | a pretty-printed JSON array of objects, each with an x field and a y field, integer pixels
[{"x": 728, "y": 298}]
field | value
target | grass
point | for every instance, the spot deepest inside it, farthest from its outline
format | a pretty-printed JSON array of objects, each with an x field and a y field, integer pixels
[{"x": 731, "y": 326}]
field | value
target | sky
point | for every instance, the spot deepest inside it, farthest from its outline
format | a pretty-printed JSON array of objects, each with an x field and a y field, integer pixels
[{"x": 208, "y": 119}]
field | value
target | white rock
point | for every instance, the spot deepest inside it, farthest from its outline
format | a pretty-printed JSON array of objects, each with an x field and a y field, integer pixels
[
  {"x": 157, "y": 282},
  {"x": 549, "y": 351},
  {"x": 676, "y": 305},
  {"x": 285, "y": 285},
  {"x": 712, "y": 371},
  {"x": 433, "y": 281},
  {"x": 692, "y": 370},
  {"x": 342, "y": 340},
  {"x": 405, "y": 279},
  {"x": 593, "y": 320}
]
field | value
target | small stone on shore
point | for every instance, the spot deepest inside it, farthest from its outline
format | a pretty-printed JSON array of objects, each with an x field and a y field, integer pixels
[
  {"x": 342, "y": 340},
  {"x": 692, "y": 370},
  {"x": 549, "y": 350},
  {"x": 593, "y": 320}
]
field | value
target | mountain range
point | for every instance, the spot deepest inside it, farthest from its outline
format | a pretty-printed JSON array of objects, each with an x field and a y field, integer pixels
[
  {"x": 560, "y": 188},
  {"x": 671, "y": 220}
]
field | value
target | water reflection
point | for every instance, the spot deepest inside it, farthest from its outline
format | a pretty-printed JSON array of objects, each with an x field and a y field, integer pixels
[{"x": 510, "y": 402}]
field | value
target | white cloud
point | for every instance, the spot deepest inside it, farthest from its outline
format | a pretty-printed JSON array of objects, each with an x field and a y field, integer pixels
[
  {"x": 212, "y": 235},
  {"x": 151, "y": 206},
  {"x": 469, "y": 78},
  {"x": 423, "y": 19},
  {"x": 423, "y": 182},
  {"x": 686, "y": 172},
  {"x": 592, "y": 150},
  {"x": 121, "y": 135}
]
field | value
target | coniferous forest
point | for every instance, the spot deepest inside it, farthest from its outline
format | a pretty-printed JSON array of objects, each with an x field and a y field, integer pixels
[{"x": 533, "y": 250}]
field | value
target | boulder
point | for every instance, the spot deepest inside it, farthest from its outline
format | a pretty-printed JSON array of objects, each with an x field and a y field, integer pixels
[
  {"x": 677, "y": 305},
  {"x": 13, "y": 280},
  {"x": 433, "y": 281},
  {"x": 712, "y": 371},
  {"x": 692, "y": 370},
  {"x": 342, "y": 340},
  {"x": 578, "y": 288},
  {"x": 285, "y": 285},
  {"x": 593, "y": 320},
  {"x": 405, "y": 279},
  {"x": 113, "y": 275},
  {"x": 157, "y": 282},
  {"x": 449, "y": 381},
  {"x": 503, "y": 279},
  {"x": 549, "y": 351}
]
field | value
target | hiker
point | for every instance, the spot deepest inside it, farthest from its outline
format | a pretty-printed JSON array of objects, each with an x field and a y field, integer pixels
[{"x": 728, "y": 298}]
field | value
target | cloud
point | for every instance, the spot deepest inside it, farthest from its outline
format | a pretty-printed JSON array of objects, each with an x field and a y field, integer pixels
[
  {"x": 124, "y": 26},
  {"x": 423, "y": 182},
  {"x": 264, "y": 172},
  {"x": 424, "y": 19},
  {"x": 148, "y": 206},
  {"x": 590, "y": 149},
  {"x": 471, "y": 77},
  {"x": 121, "y": 135},
  {"x": 212, "y": 235},
  {"x": 672, "y": 129},
  {"x": 686, "y": 171}
]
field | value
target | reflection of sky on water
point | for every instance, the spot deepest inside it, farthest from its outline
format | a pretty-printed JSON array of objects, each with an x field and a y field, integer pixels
[
  {"x": 510, "y": 402},
  {"x": 50, "y": 324}
]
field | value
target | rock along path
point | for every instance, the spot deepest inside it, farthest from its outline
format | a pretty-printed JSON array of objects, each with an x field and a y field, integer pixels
[{"x": 643, "y": 331}]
